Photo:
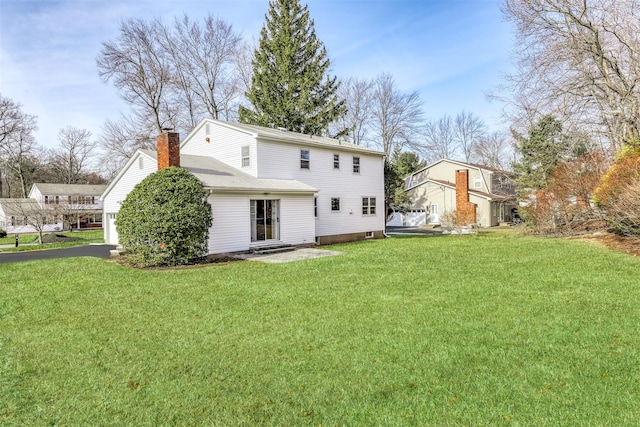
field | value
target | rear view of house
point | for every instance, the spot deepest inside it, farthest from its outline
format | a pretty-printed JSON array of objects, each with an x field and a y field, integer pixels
[{"x": 267, "y": 186}]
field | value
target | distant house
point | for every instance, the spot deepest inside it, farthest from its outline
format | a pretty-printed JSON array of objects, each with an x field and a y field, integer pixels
[
  {"x": 449, "y": 185},
  {"x": 77, "y": 205},
  {"x": 54, "y": 207},
  {"x": 18, "y": 215},
  {"x": 267, "y": 186}
]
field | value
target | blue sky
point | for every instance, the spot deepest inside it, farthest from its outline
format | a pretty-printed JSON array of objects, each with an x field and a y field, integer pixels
[{"x": 451, "y": 51}]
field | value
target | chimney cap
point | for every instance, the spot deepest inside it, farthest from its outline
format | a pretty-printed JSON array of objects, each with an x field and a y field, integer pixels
[{"x": 167, "y": 129}]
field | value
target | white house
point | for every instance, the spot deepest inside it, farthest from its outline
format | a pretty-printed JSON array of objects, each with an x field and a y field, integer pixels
[
  {"x": 449, "y": 185},
  {"x": 79, "y": 203},
  {"x": 48, "y": 203},
  {"x": 267, "y": 186}
]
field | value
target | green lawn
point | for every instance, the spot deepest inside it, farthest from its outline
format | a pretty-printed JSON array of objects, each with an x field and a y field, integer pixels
[
  {"x": 437, "y": 331},
  {"x": 51, "y": 240}
]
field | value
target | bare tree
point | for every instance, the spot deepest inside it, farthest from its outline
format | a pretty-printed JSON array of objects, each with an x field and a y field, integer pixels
[
  {"x": 71, "y": 159},
  {"x": 17, "y": 146},
  {"x": 18, "y": 156},
  {"x": 140, "y": 69},
  {"x": 440, "y": 140},
  {"x": 467, "y": 131},
  {"x": 397, "y": 116},
  {"x": 580, "y": 61},
  {"x": 203, "y": 57},
  {"x": 13, "y": 120},
  {"x": 494, "y": 150},
  {"x": 358, "y": 95},
  {"x": 29, "y": 212},
  {"x": 120, "y": 139},
  {"x": 244, "y": 68}
]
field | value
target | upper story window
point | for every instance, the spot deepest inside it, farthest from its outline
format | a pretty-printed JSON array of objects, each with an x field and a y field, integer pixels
[
  {"x": 246, "y": 159},
  {"x": 315, "y": 207},
  {"x": 477, "y": 182},
  {"x": 335, "y": 204},
  {"x": 336, "y": 161},
  {"x": 356, "y": 164},
  {"x": 368, "y": 206},
  {"x": 304, "y": 159}
]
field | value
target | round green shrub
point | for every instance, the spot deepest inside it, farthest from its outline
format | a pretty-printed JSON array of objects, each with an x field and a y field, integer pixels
[{"x": 165, "y": 219}]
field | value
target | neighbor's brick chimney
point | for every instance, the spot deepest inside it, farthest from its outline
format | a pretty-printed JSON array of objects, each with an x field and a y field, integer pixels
[
  {"x": 168, "y": 145},
  {"x": 465, "y": 210}
]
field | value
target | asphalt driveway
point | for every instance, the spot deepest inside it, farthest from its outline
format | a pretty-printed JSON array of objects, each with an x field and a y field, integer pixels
[{"x": 98, "y": 251}]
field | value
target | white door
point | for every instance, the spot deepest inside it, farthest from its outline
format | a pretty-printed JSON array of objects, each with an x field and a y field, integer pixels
[
  {"x": 111, "y": 234},
  {"x": 434, "y": 218}
]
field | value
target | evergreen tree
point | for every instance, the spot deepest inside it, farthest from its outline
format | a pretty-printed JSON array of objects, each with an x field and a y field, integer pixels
[
  {"x": 540, "y": 153},
  {"x": 291, "y": 87}
]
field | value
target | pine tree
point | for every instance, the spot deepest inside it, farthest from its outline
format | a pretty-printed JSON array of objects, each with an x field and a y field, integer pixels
[
  {"x": 291, "y": 87},
  {"x": 540, "y": 153}
]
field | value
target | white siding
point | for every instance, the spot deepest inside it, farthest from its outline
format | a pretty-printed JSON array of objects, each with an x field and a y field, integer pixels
[
  {"x": 224, "y": 144},
  {"x": 131, "y": 176},
  {"x": 283, "y": 161},
  {"x": 37, "y": 195},
  {"x": 230, "y": 231},
  {"x": 297, "y": 224}
]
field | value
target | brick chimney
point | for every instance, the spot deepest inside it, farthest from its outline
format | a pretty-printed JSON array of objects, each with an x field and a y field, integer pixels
[
  {"x": 168, "y": 146},
  {"x": 465, "y": 210}
]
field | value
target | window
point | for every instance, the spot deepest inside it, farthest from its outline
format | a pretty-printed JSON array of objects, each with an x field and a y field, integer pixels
[
  {"x": 356, "y": 164},
  {"x": 477, "y": 182},
  {"x": 140, "y": 163},
  {"x": 315, "y": 207},
  {"x": 336, "y": 161},
  {"x": 304, "y": 159},
  {"x": 335, "y": 204},
  {"x": 246, "y": 159},
  {"x": 368, "y": 206},
  {"x": 46, "y": 200}
]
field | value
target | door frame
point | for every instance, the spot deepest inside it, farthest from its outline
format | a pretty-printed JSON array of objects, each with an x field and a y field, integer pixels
[{"x": 264, "y": 228}]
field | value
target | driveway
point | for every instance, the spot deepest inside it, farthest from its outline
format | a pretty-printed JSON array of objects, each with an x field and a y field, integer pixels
[
  {"x": 98, "y": 251},
  {"x": 413, "y": 230}
]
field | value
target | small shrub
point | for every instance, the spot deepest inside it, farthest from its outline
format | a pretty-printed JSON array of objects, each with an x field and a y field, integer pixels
[
  {"x": 3, "y": 233},
  {"x": 165, "y": 219}
]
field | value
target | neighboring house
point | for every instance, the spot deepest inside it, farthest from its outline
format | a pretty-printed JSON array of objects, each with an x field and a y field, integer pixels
[
  {"x": 449, "y": 185},
  {"x": 76, "y": 205},
  {"x": 20, "y": 215},
  {"x": 267, "y": 186}
]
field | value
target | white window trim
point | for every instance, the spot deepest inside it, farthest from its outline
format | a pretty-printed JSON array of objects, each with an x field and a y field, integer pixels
[
  {"x": 369, "y": 198},
  {"x": 308, "y": 159}
]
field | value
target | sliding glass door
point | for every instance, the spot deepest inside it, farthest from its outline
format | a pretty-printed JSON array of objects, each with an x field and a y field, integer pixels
[{"x": 265, "y": 220}]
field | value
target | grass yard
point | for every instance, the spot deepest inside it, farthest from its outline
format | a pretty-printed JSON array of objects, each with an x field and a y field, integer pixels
[
  {"x": 53, "y": 240},
  {"x": 460, "y": 330}
]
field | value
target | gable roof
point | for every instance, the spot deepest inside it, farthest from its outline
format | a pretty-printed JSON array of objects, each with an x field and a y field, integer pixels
[
  {"x": 285, "y": 136},
  {"x": 18, "y": 207},
  {"x": 462, "y": 164},
  {"x": 218, "y": 176},
  {"x": 53, "y": 189}
]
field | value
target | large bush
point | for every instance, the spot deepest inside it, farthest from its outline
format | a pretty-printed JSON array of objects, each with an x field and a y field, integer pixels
[
  {"x": 165, "y": 220},
  {"x": 619, "y": 192},
  {"x": 564, "y": 205}
]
